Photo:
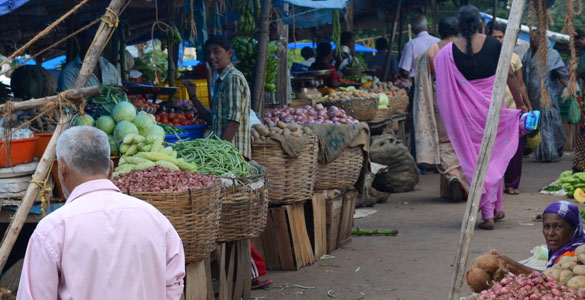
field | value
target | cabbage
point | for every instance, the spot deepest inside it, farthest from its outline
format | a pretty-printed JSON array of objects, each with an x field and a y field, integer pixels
[
  {"x": 80, "y": 120},
  {"x": 124, "y": 111},
  {"x": 383, "y": 100},
  {"x": 123, "y": 129},
  {"x": 106, "y": 124},
  {"x": 157, "y": 131},
  {"x": 144, "y": 123},
  {"x": 113, "y": 146}
]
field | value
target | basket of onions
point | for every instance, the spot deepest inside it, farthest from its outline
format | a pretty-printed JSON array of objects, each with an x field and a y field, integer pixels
[{"x": 190, "y": 201}]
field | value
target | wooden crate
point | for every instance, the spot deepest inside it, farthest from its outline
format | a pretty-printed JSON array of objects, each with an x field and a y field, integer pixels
[
  {"x": 339, "y": 218},
  {"x": 285, "y": 243}
]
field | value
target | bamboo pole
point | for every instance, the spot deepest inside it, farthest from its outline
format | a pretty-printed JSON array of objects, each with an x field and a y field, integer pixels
[
  {"x": 392, "y": 39},
  {"x": 74, "y": 96},
  {"x": 89, "y": 64},
  {"x": 261, "y": 56},
  {"x": 485, "y": 153}
]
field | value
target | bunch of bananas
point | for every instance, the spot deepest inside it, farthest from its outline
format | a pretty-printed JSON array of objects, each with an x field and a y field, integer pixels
[
  {"x": 247, "y": 21},
  {"x": 246, "y": 52}
]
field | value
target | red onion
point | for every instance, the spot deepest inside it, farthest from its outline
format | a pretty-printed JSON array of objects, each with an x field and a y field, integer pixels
[{"x": 158, "y": 179}]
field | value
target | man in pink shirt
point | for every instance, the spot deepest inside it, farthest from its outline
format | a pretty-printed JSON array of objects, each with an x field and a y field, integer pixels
[{"x": 102, "y": 244}]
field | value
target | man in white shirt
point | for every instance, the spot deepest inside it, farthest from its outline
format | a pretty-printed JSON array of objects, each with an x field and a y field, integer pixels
[{"x": 415, "y": 47}]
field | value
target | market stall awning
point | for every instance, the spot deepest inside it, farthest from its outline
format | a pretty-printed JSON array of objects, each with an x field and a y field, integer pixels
[
  {"x": 323, "y": 4},
  {"x": 8, "y": 6},
  {"x": 358, "y": 47}
]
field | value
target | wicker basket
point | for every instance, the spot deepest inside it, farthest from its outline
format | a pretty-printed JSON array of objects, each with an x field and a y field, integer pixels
[
  {"x": 399, "y": 104},
  {"x": 288, "y": 179},
  {"x": 194, "y": 214},
  {"x": 359, "y": 109},
  {"x": 342, "y": 172},
  {"x": 383, "y": 114},
  {"x": 244, "y": 207}
]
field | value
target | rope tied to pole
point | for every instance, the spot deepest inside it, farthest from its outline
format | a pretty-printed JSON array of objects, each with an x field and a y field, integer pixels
[{"x": 44, "y": 192}]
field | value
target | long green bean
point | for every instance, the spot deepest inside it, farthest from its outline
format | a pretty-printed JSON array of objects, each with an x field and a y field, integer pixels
[{"x": 213, "y": 156}]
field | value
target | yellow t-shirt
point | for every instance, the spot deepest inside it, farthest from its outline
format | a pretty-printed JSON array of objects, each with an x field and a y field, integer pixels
[{"x": 516, "y": 65}]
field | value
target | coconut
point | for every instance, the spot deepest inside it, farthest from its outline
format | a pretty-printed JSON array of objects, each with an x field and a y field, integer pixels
[
  {"x": 488, "y": 262},
  {"x": 478, "y": 280}
]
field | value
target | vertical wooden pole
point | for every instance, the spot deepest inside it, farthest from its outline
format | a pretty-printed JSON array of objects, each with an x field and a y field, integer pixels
[
  {"x": 397, "y": 16},
  {"x": 46, "y": 161},
  {"x": 485, "y": 153},
  {"x": 261, "y": 55},
  {"x": 434, "y": 8},
  {"x": 282, "y": 78}
]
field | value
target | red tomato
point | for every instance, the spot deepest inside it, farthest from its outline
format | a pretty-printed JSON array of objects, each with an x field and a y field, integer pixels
[
  {"x": 189, "y": 116},
  {"x": 157, "y": 118}
]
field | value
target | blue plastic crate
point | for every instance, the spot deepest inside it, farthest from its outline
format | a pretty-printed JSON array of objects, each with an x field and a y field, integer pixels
[
  {"x": 195, "y": 131},
  {"x": 173, "y": 138}
]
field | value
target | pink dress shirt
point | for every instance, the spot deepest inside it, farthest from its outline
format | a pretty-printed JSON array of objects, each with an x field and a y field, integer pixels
[{"x": 100, "y": 245}]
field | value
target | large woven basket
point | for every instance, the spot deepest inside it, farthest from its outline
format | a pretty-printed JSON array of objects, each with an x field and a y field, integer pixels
[
  {"x": 244, "y": 207},
  {"x": 194, "y": 214},
  {"x": 288, "y": 179},
  {"x": 383, "y": 114},
  {"x": 342, "y": 172},
  {"x": 399, "y": 104},
  {"x": 360, "y": 109}
]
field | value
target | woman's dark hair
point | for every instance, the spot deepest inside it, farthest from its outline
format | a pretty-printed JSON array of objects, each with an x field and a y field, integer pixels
[
  {"x": 381, "y": 44},
  {"x": 307, "y": 52},
  {"x": 497, "y": 27},
  {"x": 219, "y": 40},
  {"x": 346, "y": 37},
  {"x": 469, "y": 22},
  {"x": 323, "y": 50},
  {"x": 448, "y": 27}
]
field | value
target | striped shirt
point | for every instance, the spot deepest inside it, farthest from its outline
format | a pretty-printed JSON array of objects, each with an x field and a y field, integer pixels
[{"x": 231, "y": 102}]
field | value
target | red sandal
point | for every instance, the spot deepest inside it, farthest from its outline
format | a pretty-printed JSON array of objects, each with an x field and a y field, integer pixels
[{"x": 258, "y": 284}]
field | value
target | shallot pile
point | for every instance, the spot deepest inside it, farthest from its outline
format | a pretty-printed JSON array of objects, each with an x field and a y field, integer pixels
[
  {"x": 158, "y": 179},
  {"x": 535, "y": 286},
  {"x": 308, "y": 115}
]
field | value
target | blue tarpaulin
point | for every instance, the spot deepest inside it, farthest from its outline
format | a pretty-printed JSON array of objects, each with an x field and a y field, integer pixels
[
  {"x": 322, "y": 4},
  {"x": 358, "y": 47},
  {"x": 50, "y": 64},
  {"x": 8, "y": 6}
]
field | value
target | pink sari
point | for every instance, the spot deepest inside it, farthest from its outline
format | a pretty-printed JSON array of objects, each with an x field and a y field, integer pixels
[{"x": 464, "y": 107}]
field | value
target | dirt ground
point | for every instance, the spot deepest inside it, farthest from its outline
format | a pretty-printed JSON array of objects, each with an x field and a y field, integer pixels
[{"x": 417, "y": 264}]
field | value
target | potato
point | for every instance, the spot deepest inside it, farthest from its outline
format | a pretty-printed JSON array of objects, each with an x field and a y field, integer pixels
[
  {"x": 286, "y": 132},
  {"x": 261, "y": 129},
  {"x": 281, "y": 125},
  {"x": 556, "y": 274},
  {"x": 580, "y": 250},
  {"x": 579, "y": 270},
  {"x": 254, "y": 133},
  {"x": 566, "y": 275},
  {"x": 569, "y": 265},
  {"x": 548, "y": 272},
  {"x": 581, "y": 258},
  {"x": 577, "y": 282},
  {"x": 565, "y": 259},
  {"x": 307, "y": 131},
  {"x": 294, "y": 127}
]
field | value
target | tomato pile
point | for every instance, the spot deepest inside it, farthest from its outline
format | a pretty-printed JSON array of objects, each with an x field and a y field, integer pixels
[
  {"x": 178, "y": 119},
  {"x": 140, "y": 102}
]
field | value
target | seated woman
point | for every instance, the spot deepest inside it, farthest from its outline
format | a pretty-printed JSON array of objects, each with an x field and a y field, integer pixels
[
  {"x": 562, "y": 228},
  {"x": 323, "y": 62}
]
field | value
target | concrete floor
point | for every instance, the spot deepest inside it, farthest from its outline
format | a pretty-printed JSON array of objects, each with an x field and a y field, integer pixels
[{"x": 417, "y": 263}]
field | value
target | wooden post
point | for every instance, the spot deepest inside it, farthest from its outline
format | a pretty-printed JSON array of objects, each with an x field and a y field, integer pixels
[
  {"x": 282, "y": 78},
  {"x": 392, "y": 39},
  {"x": 485, "y": 153},
  {"x": 46, "y": 161},
  {"x": 434, "y": 8},
  {"x": 261, "y": 56}
]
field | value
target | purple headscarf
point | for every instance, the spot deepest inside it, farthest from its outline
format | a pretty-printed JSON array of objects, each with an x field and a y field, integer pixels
[{"x": 569, "y": 212}]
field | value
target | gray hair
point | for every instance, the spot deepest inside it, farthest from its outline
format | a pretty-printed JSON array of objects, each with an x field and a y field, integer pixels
[
  {"x": 85, "y": 149},
  {"x": 419, "y": 22}
]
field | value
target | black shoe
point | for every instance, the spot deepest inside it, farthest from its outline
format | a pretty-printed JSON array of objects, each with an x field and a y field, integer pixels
[{"x": 457, "y": 194}]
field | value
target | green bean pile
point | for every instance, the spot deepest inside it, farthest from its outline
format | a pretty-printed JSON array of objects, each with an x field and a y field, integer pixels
[{"x": 213, "y": 156}]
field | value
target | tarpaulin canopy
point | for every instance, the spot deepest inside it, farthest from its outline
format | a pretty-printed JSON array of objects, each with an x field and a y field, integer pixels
[
  {"x": 323, "y": 4},
  {"x": 358, "y": 47},
  {"x": 8, "y": 6}
]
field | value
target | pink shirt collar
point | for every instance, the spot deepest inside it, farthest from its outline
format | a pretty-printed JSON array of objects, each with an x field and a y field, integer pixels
[{"x": 92, "y": 186}]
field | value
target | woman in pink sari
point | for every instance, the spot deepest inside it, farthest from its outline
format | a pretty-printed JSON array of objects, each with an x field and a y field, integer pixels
[{"x": 465, "y": 71}]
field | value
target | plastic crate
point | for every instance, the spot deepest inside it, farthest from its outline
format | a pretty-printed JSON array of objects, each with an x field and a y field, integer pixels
[
  {"x": 195, "y": 131},
  {"x": 173, "y": 138},
  {"x": 202, "y": 91}
]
